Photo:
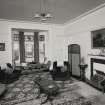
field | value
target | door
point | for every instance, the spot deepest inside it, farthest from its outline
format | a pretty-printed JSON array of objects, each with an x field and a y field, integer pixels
[{"x": 74, "y": 59}]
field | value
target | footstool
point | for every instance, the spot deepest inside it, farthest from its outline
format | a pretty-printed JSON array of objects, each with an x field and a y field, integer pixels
[{"x": 49, "y": 87}]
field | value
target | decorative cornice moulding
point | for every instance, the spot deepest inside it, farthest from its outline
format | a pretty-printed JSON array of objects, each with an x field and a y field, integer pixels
[
  {"x": 84, "y": 14},
  {"x": 31, "y": 22}
]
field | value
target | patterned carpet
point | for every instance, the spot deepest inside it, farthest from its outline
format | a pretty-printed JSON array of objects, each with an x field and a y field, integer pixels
[{"x": 25, "y": 89}]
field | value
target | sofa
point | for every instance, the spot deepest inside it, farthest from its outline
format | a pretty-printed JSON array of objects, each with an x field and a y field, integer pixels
[{"x": 33, "y": 67}]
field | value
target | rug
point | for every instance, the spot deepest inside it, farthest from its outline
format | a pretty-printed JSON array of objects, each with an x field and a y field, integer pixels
[{"x": 25, "y": 89}]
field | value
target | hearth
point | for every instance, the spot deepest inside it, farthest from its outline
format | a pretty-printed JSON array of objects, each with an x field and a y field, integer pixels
[
  {"x": 97, "y": 65},
  {"x": 97, "y": 72}
]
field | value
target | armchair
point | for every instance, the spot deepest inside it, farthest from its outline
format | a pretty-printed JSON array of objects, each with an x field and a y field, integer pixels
[
  {"x": 60, "y": 72},
  {"x": 9, "y": 75}
]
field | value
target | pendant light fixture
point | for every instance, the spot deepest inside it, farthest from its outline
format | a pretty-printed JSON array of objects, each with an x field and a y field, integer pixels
[{"x": 43, "y": 15}]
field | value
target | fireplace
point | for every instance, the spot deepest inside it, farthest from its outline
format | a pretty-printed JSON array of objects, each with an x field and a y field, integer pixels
[
  {"x": 97, "y": 65},
  {"x": 97, "y": 72}
]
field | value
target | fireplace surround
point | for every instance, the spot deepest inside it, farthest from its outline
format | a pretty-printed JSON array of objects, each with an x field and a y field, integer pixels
[
  {"x": 97, "y": 74},
  {"x": 98, "y": 61}
]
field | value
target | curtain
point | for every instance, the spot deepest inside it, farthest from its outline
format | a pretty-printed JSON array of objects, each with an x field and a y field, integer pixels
[
  {"x": 22, "y": 46},
  {"x": 36, "y": 47}
]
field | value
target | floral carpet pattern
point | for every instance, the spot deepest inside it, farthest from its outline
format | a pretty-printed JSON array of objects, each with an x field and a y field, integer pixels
[{"x": 25, "y": 89}]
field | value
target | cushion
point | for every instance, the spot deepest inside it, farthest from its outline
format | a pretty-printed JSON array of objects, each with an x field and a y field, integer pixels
[
  {"x": 64, "y": 68},
  {"x": 9, "y": 70}
]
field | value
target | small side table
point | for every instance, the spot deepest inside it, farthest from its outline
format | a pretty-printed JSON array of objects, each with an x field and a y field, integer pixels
[{"x": 82, "y": 71}]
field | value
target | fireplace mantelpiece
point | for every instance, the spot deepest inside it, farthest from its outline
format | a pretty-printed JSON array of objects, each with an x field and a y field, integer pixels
[
  {"x": 97, "y": 76},
  {"x": 95, "y": 60},
  {"x": 97, "y": 55}
]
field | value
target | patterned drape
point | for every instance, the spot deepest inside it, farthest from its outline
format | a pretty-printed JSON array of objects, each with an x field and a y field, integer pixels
[
  {"x": 22, "y": 46},
  {"x": 36, "y": 47}
]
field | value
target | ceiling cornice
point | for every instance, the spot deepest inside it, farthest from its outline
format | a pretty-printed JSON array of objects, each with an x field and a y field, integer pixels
[
  {"x": 63, "y": 24},
  {"x": 85, "y": 14},
  {"x": 32, "y": 22}
]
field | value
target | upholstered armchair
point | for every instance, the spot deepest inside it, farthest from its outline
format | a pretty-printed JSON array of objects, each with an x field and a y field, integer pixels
[
  {"x": 60, "y": 72},
  {"x": 9, "y": 75}
]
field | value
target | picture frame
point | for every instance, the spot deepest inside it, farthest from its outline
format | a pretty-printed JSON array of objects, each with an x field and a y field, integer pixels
[
  {"x": 2, "y": 46},
  {"x": 98, "y": 39}
]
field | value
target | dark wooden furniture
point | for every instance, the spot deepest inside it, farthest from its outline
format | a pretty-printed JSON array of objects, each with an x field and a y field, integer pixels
[
  {"x": 82, "y": 71},
  {"x": 74, "y": 59}
]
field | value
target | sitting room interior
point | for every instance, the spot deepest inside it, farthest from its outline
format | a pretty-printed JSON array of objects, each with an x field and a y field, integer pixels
[{"x": 52, "y": 52}]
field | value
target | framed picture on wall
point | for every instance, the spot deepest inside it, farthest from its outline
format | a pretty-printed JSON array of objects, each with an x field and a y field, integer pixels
[
  {"x": 2, "y": 46},
  {"x": 98, "y": 38}
]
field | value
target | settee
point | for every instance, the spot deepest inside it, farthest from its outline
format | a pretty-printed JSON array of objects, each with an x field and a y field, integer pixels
[{"x": 35, "y": 67}]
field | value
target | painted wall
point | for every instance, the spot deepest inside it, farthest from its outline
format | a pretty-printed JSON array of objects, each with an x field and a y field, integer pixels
[
  {"x": 59, "y": 36},
  {"x": 80, "y": 33},
  {"x": 53, "y": 47}
]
